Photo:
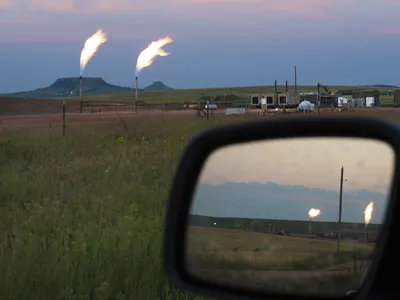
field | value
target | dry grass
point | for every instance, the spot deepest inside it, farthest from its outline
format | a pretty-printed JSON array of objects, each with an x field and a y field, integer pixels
[
  {"x": 227, "y": 248},
  {"x": 269, "y": 261}
]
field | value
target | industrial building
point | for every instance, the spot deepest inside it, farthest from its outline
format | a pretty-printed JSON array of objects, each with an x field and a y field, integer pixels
[
  {"x": 357, "y": 98},
  {"x": 397, "y": 98},
  {"x": 287, "y": 100},
  {"x": 326, "y": 100}
]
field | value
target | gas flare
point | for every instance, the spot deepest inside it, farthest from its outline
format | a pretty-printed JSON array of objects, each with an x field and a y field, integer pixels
[
  {"x": 147, "y": 56},
  {"x": 314, "y": 213},
  {"x": 368, "y": 213},
  {"x": 91, "y": 45}
]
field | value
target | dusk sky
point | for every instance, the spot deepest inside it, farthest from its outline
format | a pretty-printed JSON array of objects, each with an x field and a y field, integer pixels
[
  {"x": 216, "y": 42},
  {"x": 311, "y": 162}
]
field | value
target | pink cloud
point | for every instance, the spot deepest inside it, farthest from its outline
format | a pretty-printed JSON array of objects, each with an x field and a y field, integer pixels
[
  {"x": 116, "y": 5},
  {"x": 51, "y": 5},
  {"x": 126, "y": 6},
  {"x": 306, "y": 8},
  {"x": 390, "y": 31},
  {"x": 236, "y": 18},
  {"x": 6, "y": 3},
  {"x": 82, "y": 6}
]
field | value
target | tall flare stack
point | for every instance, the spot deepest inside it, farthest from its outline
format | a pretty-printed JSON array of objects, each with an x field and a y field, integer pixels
[
  {"x": 147, "y": 56},
  {"x": 80, "y": 92},
  {"x": 89, "y": 49},
  {"x": 367, "y": 218},
  {"x": 136, "y": 88},
  {"x": 80, "y": 88},
  {"x": 312, "y": 213}
]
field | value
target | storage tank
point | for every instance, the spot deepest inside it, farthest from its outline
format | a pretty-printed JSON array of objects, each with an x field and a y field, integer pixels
[{"x": 211, "y": 106}]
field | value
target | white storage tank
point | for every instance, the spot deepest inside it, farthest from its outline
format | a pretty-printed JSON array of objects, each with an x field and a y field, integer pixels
[{"x": 211, "y": 106}]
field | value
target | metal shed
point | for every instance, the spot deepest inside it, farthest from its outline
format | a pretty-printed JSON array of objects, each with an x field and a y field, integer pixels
[
  {"x": 368, "y": 93},
  {"x": 326, "y": 100},
  {"x": 397, "y": 98}
]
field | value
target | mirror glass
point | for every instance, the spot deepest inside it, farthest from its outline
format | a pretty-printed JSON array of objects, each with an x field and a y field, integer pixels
[{"x": 297, "y": 215}]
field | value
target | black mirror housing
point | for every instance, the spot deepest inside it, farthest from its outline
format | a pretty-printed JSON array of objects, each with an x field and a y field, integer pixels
[{"x": 378, "y": 284}]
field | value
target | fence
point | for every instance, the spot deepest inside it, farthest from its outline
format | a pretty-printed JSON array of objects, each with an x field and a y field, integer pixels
[
  {"x": 110, "y": 106},
  {"x": 19, "y": 106},
  {"x": 199, "y": 106}
]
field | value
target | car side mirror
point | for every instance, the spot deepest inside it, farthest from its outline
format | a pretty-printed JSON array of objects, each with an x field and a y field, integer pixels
[{"x": 299, "y": 208}]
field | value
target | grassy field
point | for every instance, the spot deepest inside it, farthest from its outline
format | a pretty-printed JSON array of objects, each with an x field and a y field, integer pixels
[
  {"x": 239, "y": 249},
  {"x": 177, "y": 96},
  {"x": 289, "y": 226},
  {"x": 212, "y": 250},
  {"x": 82, "y": 216}
]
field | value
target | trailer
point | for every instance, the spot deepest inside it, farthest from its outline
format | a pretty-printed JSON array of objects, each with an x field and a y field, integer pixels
[
  {"x": 281, "y": 100},
  {"x": 287, "y": 100}
]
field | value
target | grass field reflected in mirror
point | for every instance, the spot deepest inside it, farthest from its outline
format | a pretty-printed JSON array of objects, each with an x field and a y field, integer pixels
[{"x": 265, "y": 215}]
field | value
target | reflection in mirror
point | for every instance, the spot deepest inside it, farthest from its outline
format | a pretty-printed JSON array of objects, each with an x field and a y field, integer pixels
[{"x": 295, "y": 215}]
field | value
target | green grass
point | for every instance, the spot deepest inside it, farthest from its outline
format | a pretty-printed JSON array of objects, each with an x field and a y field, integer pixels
[
  {"x": 242, "y": 258},
  {"x": 238, "y": 249},
  {"x": 82, "y": 216},
  {"x": 185, "y": 95}
]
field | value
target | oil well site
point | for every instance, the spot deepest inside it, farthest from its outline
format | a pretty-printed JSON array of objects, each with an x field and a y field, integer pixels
[{"x": 101, "y": 102}]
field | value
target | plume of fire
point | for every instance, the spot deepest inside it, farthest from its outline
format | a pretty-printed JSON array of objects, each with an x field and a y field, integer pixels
[
  {"x": 314, "y": 213},
  {"x": 368, "y": 213},
  {"x": 147, "y": 56},
  {"x": 91, "y": 45}
]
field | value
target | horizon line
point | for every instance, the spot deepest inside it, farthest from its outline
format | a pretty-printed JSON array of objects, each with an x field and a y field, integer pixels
[
  {"x": 220, "y": 87},
  {"x": 294, "y": 185},
  {"x": 314, "y": 221}
]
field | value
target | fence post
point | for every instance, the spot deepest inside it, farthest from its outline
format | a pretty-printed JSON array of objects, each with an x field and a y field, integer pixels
[
  {"x": 208, "y": 109},
  {"x": 63, "y": 117}
]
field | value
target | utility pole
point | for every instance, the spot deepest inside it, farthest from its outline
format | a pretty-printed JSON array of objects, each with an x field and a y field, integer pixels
[
  {"x": 340, "y": 211},
  {"x": 319, "y": 100},
  {"x": 295, "y": 80}
]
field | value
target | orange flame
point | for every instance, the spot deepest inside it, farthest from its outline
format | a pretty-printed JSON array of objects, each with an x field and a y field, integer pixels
[
  {"x": 147, "y": 56},
  {"x": 91, "y": 45},
  {"x": 368, "y": 212},
  {"x": 314, "y": 213}
]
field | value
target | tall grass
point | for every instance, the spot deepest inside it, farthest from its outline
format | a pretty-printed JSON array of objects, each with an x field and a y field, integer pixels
[
  {"x": 242, "y": 250},
  {"x": 265, "y": 261},
  {"x": 81, "y": 217}
]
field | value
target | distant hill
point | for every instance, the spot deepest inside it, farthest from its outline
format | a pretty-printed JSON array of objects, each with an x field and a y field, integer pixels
[
  {"x": 384, "y": 86},
  {"x": 270, "y": 200},
  {"x": 67, "y": 87},
  {"x": 157, "y": 86}
]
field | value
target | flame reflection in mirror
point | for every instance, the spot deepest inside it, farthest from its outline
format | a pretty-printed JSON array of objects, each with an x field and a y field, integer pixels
[{"x": 265, "y": 215}]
